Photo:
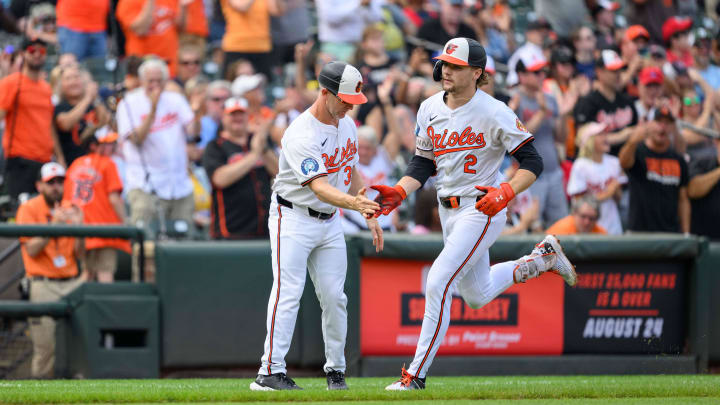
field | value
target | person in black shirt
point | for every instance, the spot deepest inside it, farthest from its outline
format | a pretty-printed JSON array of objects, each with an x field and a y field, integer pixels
[
  {"x": 78, "y": 114},
  {"x": 658, "y": 177},
  {"x": 704, "y": 192},
  {"x": 447, "y": 26},
  {"x": 606, "y": 104},
  {"x": 240, "y": 166},
  {"x": 374, "y": 64}
]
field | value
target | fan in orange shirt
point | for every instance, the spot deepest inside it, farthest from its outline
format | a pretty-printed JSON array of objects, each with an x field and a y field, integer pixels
[
  {"x": 94, "y": 185},
  {"x": 583, "y": 219},
  {"x": 50, "y": 263},
  {"x": 151, "y": 27}
]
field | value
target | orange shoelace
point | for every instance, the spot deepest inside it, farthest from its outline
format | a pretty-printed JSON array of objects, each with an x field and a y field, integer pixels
[{"x": 406, "y": 378}]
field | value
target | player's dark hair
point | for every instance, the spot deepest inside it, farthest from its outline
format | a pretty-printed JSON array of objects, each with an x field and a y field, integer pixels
[{"x": 483, "y": 79}]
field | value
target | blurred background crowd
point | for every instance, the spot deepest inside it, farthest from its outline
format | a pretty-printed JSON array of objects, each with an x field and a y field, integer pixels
[{"x": 168, "y": 114}]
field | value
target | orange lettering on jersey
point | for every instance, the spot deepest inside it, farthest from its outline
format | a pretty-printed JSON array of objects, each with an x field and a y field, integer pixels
[
  {"x": 333, "y": 164},
  {"x": 455, "y": 142}
]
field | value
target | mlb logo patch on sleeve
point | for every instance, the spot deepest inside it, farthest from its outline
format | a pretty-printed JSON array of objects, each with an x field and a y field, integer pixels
[{"x": 309, "y": 165}]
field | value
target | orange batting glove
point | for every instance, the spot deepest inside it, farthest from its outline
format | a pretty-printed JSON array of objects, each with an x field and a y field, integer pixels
[
  {"x": 495, "y": 199},
  {"x": 389, "y": 198}
]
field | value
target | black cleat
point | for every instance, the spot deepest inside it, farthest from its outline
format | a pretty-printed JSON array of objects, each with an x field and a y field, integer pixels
[
  {"x": 336, "y": 380},
  {"x": 273, "y": 382}
]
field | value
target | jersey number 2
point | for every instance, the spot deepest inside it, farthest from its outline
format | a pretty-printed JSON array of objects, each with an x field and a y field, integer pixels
[
  {"x": 471, "y": 160},
  {"x": 348, "y": 170}
]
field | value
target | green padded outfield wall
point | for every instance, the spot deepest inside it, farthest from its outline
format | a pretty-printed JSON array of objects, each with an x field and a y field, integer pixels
[
  {"x": 714, "y": 270},
  {"x": 129, "y": 313},
  {"x": 214, "y": 299},
  {"x": 214, "y": 294}
]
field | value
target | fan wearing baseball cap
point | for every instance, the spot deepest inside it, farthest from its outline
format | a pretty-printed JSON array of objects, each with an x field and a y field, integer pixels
[
  {"x": 650, "y": 82},
  {"x": 676, "y": 35},
  {"x": 93, "y": 184},
  {"x": 702, "y": 47},
  {"x": 489, "y": 87},
  {"x": 607, "y": 103},
  {"x": 540, "y": 113},
  {"x": 603, "y": 15},
  {"x": 240, "y": 166},
  {"x": 658, "y": 177},
  {"x": 317, "y": 175},
  {"x": 26, "y": 105},
  {"x": 50, "y": 263}
]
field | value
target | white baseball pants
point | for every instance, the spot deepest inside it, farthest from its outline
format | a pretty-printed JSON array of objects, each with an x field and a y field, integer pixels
[
  {"x": 299, "y": 242},
  {"x": 462, "y": 266}
]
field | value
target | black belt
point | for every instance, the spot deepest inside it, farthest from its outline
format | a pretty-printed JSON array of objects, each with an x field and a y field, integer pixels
[
  {"x": 43, "y": 278},
  {"x": 311, "y": 212},
  {"x": 454, "y": 201}
]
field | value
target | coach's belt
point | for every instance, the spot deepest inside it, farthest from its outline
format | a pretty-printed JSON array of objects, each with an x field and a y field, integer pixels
[
  {"x": 43, "y": 278},
  {"x": 311, "y": 212},
  {"x": 454, "y": 201}
]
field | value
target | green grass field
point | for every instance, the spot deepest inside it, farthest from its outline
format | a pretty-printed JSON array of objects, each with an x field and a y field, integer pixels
[{"x": 596, "y": 390}]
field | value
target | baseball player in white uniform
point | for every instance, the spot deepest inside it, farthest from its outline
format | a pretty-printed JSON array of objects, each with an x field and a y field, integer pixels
[
  {"x": 316, "y": 173},
  {"x": 465, "y": 133}
]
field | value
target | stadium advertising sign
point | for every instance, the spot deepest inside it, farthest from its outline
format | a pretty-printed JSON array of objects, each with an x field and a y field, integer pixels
[
  {"x": 615, "y": 308},
  {"x": 393, "y": 304},
  {"x": 626, "y": 308}
]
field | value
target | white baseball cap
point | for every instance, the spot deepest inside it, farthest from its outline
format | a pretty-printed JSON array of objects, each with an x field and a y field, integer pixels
[
  {"x": 589, "y": 130},
  {"x": 609, "y": 60},
  {"x": 490, "y": 65},
  {"x": 51, "y": 170},
  {"x": 106, "y": 135},
  {"x": 245, "y": 83},
  {"x": 344, "y": 81},
  {"x": 463, "y": 52},
  {"x": 531, "y": 58},
  {"x": 235, "y": 104}
]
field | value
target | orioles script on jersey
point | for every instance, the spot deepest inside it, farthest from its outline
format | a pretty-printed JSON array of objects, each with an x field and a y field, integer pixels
[
  {"x": 334, "y": 163},
  {"x": 444, "y": 143}
]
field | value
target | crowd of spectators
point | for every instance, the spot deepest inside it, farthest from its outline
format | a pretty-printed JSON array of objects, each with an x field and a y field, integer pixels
[
  {"x": 168, "y": 114},
  {"x": 622, "y": 98}
]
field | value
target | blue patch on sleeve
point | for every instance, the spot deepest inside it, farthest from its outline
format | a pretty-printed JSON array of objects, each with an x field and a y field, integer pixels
[
  {"x": 309, "y": 165},
  {"x": 417, "y": 129}
]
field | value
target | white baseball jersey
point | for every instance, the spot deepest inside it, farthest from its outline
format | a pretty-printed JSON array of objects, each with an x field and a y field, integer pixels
[
  {"x": 469, "y": 142},
  {"x": 588, "y": 176},
  {"x": 311, "y": 149},
  {"x": 378, "y": 171}
]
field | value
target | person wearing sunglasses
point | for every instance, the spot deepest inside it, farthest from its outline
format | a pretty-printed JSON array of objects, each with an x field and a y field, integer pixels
[
  {"x": 583, "y": 218},
  {"x": 189, "y": 64},
  {"x": 702, "y": 46},
  {"x": 697, "y": 114},
  {"x": 25, "y": 103},
  {"x": 217, "y": 93}
]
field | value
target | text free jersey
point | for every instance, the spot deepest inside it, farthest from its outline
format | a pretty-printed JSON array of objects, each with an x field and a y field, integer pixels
[
  {"x": 311, "y": 149},
  {"x": 469, "y": 142}
]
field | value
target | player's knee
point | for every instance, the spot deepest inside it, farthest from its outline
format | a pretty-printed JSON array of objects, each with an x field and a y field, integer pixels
[
  {"x": 477, "y": 301},
  {"x": 435, "y": 286},
  {"x": 334, "y": 298}
]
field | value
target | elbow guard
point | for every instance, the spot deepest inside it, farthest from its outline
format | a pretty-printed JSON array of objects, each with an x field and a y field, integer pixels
[
  {"x": 421, "y": 168},
  {"x": 529, "y": 159}
]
